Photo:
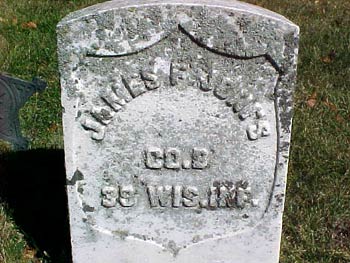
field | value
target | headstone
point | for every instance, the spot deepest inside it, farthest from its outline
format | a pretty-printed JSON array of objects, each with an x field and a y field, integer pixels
[
  {"x": 177, "y": 118},
  {"x": 14, "y": 93}
]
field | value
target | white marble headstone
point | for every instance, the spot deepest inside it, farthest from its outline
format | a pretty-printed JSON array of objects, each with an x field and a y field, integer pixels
[{"x": 177, "y": 118}]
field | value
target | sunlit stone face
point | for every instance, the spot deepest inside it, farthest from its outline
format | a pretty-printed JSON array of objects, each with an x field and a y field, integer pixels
[{"x": 176, "y": 130}]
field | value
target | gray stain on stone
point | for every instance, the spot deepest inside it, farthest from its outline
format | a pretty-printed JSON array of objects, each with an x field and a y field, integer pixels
[
  {"x": 87, "y": 208},
  {"x": 77, "y": 176}
]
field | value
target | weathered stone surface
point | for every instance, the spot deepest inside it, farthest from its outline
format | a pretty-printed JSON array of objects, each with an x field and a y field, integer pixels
[{"x": 177, "y": 121}]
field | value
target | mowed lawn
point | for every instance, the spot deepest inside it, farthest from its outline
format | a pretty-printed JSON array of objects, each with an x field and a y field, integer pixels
[{"x": 316, "y": 225}]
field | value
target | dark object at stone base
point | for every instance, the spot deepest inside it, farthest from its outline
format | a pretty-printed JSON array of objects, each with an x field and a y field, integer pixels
[{"x": 14, "y": 93}]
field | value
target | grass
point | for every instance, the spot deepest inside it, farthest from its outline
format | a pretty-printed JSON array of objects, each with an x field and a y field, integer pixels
[
  {"x": 316, "y": 225},
  {"x": 12, "y": 243}
]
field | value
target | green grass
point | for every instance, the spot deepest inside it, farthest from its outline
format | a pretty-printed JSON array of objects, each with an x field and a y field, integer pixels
[
  {"x": 12, "y": 243},
  {"x": 317, "y": 216},
  {"x": 32, "y": 52}
]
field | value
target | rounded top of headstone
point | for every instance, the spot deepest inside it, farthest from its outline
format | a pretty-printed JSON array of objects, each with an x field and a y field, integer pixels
[
  {"x": 230, "y": 4},
  {"x": 119, "y": 28}
]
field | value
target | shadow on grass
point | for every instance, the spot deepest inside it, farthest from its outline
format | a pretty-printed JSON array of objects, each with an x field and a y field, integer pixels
[{"x": 32, "y": 183}]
